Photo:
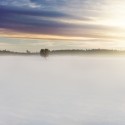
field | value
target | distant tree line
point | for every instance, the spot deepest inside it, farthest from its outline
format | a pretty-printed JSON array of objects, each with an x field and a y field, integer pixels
[
  {"x": 47, "y": 52},
  {"x": 7, "y": 52},
  {"x": 87, "y": 52}
]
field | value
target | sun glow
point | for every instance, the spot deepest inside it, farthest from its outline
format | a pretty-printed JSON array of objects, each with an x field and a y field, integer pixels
[{"x": 115, "y": 14}]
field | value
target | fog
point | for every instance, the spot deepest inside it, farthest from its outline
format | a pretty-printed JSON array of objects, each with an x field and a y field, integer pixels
[{"x": 65, "y": 90}]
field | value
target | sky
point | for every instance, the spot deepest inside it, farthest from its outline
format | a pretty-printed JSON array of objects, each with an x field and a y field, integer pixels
[{"x": 62, "y": 24}]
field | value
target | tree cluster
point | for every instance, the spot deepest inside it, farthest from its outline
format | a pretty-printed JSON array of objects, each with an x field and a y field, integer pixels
[{"x": 44, "y": 52}]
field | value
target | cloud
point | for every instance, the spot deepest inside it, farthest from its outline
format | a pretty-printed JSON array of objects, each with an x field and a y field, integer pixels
[
  {"x": 30, "y": 12},
  {"x": 50, "y": 2},
  {"x": 62, "y": 19},
  {"x": 51, "y": 17},
  {"x": 37, "y": 21}
]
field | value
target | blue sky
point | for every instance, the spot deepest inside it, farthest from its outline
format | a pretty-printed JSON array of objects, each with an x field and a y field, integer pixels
[{"x": 62, "y": 24}]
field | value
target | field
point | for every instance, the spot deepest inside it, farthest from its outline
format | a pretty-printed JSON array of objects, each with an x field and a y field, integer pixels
[{"x": 62, "y": 90}]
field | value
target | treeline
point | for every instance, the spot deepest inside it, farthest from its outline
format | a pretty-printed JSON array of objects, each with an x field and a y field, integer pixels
[
  {"x": 7, "y": 52},
  {"x": 88, "y": 51},
  {"x": 47, "y": 52}
]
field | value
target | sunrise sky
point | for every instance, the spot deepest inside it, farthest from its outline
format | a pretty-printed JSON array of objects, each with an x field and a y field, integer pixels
[{"x": 62, "y": 24}]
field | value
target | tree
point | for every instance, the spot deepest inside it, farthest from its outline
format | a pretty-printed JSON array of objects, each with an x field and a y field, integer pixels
[
  {"x": 44, "y": 52},
  {"x": 27, "y": 51}
]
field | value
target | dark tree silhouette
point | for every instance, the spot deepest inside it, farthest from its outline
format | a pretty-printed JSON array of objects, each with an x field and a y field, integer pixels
[
  {"x": 44, "y": 52},
  {"x": 27, "y": 51}
]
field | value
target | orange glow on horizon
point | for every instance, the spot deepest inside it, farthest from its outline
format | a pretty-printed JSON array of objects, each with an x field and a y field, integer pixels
[{"x": 12, "y": 34}]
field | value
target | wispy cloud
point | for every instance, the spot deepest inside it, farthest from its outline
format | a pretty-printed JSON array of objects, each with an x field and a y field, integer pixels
[
  {"x": 62, "y": 19},
  {"x": 45, "y": 20}
]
